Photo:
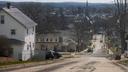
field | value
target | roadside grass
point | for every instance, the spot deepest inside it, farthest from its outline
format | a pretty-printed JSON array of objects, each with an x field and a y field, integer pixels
[
  {"x": 71, "y": 56},
  {"x": 16, "y": 62},
  {"x": 68, "y": 56},
  {"x": 2, "y": 64},
  {"x": 124, "y": 62},
  {"x": 23, "y": 64},
  {"x": 113, "y": 49},
  {"x": 10, "y": 63}
]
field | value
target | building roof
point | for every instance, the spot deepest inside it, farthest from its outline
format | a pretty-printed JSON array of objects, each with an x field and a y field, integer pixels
[
  {"x": 16, "y": 42},
  {"x": 20, "y": 17}
]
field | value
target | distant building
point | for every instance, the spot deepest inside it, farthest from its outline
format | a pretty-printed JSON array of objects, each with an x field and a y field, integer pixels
[
  {"x": 20, "y": 30},
  {"x": 68, "y": 43},
  {"x": 48, "y": 41}
]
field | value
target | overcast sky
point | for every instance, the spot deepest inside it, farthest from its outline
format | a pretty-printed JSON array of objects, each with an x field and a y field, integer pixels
[{"x": 91, "y": 1}]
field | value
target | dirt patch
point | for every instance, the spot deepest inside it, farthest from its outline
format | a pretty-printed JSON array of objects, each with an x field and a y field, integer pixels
[
  {"x": 7, "y": 59},
  {"x": 121, "y": 66},
  {"x": 85, "y": 68}
]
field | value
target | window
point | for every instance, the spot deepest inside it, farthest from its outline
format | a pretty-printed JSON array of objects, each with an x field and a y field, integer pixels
[
  {"x": 2, "y": 19},
  {"x": 27, "y": 31},
  {"x": 47, "y": 39},
  {"x": 126, "y": 37},
  {"x": 33, "y": 29},
  {"x": 27, "y": 47},
  {"x": 13, "y": 32},
  {"x": 42, "y": 46},
  {"x": 51, "y": 40},
  {"x": 30, "y": 44},
  {"x": 33, "y": 44},
  {"x": 56, "y": 39},
  {"x": 46, "y": 48},
  {"x": 60, "y": 39},
  {"x": 42, "y": 39}
]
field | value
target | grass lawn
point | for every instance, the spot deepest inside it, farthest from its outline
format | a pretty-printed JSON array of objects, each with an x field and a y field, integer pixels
[
  {"x": 32, "y": 61},
  {"x": 16, "y": 62},
  {"x": 124, "y": 62}
]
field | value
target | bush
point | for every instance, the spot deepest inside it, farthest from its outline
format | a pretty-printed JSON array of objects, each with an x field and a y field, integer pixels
[
  {"x": 117, "y": 57},
  {"x": 5, "y": 47},
  {"x": 124, "y": 62}
]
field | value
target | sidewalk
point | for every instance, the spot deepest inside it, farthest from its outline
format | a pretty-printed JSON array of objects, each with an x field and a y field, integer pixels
[
  {"x": 118, "y": 62},
  {"x": 125, "y": 68}
]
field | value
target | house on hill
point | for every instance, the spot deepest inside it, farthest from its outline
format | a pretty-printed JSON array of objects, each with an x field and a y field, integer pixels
[
  {"x": 48, "y": 41},
  {"x": 20, "y": 30}
]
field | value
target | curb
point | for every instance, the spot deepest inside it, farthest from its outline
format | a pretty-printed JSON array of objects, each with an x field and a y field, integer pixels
[{"x": 125, "y": 68}]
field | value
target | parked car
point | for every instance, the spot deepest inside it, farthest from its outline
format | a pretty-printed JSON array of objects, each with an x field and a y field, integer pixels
[
  {"x": 117, "y": 57},
  {"x": 90, "y": 50},
  {"x": 101, "y": 41},
  {"x": 49, "y": 55},
  {"x": 53, "y": 55},
  {"x": 57, "y": 55}
]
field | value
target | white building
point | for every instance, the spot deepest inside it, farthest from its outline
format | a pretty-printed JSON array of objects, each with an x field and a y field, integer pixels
[
  {"x": 59, "y": 41},
  {"x": 20, "y": 29},
  {"x": 48, "y": 41}
]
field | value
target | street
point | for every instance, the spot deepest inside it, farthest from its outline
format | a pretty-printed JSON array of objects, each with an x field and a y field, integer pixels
[{"x": 95, "y": 62}]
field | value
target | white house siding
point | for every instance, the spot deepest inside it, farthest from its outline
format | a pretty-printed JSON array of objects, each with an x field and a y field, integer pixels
[
  {"x": 17, "y": 51},
  {"x": 21, "y": 34},
  {"x": 30, "y": 41},
  {"x": 19, "y": 55},
  {"x": 11, "y": 23}
]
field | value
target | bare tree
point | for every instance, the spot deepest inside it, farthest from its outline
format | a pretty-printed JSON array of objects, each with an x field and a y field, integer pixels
[
  {"x": 79, "y": 34},
  {"x": 82, "y": 33},
  {"x": 121, "y": 6}
]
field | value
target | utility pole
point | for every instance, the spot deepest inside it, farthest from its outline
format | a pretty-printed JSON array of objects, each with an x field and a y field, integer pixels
[
  {"x": 87, "y": 15},
  {"x": 86, "y": 8},
  {"x": 122, "y": 24}
]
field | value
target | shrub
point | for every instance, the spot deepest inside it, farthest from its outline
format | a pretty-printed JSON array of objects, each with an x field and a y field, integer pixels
[{"x": 5, "y": 47}]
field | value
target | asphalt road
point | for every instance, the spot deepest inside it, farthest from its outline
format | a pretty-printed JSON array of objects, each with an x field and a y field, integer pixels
[{"x": 91, "y": 63}]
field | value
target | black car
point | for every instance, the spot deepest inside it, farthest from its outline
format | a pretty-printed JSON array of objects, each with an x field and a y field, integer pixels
[
  {"x": 101, "y": 41},
  {"x": 90, "y": 50},
  {"x": 52, "y": 55},
  {"x": 57, "y": 55},
  {"x": 49, "y": 55}
]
